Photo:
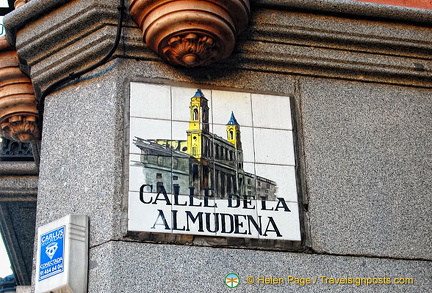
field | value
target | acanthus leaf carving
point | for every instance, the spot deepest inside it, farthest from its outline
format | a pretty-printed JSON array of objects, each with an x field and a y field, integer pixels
[{"x": 190, "y": 49}]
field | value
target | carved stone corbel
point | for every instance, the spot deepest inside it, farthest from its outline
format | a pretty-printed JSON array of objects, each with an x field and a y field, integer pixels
[
  {"x": 18, "y": 113},
  {"x": 19, "y": 3},
  {"x": 190, "y": 32}
]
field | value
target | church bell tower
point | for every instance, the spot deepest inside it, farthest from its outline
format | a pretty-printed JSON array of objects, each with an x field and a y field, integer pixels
[
  {"x": 233, "y": 132},
  {"x": 198, "y": 125}
]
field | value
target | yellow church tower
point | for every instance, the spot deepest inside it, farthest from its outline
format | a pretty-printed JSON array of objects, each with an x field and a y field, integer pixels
[
  {"x": 233, "y": 132},
  {"x": 198, "y": 126}
]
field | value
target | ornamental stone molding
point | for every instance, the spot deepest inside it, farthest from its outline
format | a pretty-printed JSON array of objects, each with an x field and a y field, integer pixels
[
  {"x": 18, "y": 113},
  {"x": 188, "y": 32},
  {"x": 290, "y": 40}
]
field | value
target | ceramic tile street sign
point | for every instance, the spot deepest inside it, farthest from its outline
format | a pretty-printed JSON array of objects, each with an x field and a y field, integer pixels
[{"x": 210, "y": 162}]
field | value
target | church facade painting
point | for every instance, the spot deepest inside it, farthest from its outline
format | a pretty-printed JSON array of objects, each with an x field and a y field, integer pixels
[{"x": 211, "y": 162}]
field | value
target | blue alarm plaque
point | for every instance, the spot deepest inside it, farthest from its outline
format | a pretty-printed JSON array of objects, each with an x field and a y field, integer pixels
[
  {"x": 51, "y": 253},
  {"x": 62, "y": 256}
]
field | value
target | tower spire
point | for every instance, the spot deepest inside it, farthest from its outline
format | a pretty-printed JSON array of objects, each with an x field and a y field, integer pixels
[
  {"x": 233, "y": 120},
  {"x": 198, "y": 93},
  {"x": 233, "y": 132}
]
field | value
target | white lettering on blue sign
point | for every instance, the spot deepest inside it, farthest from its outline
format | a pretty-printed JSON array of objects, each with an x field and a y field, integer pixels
[{"x": 51, "y": 253}]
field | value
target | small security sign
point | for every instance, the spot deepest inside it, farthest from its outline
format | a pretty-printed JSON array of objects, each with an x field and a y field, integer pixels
[
  {"x": 51, "y": 253},
  {"x": 62, "y": 255}
]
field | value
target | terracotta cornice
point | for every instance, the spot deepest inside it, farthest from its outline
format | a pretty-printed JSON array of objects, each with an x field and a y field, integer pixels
[
  {"x": 191, "y": 33},
  {"x": 19, "y": 3},
  {"x": 18, "y": 113}
]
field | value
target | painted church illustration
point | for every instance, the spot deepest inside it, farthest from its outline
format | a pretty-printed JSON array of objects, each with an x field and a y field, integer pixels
[{"x": 204, "y": 163}]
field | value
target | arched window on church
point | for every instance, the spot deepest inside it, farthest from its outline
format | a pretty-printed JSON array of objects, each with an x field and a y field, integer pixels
[
  {"x": 195, "y": 114},
  {"x": 231, "y": 134}
]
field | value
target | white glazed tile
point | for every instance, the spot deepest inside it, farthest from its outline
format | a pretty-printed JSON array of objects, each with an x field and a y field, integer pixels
[
  {"x": 179, "y": 130},
  {"x": 246, "y": 134},
  {"x": 144, "y": 216},
  {"x": 219, "y": 130},
  {"x": 191, "y": 216},
  {"x": 249, "y": 167},
  {"x": 239, "y": 216},
  {"x": 285, "y": 179},
  {"x": 273, "y": 146},
  {"x": 135, "y": 173},
  {"x": 148, "y": 129},
  {"x": 225, "y": 102},
  {"x": 181, "y": 98},
  {"x": 279, "y": 223},
  {"x": 150, "y": 101},
  {"x": 271, "y": 111}
]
